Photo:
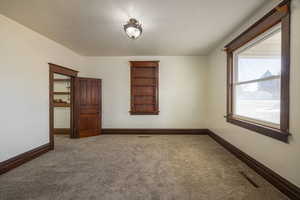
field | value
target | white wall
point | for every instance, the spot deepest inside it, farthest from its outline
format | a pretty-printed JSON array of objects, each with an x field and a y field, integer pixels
[
  {"x": 182, "y": 96},
  {"x": 24, "y": 86},
  {"x": 280, "y": 157}
]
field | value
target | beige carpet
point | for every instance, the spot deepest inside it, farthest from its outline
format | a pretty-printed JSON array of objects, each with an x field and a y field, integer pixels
[{"x": 129, "y": 167}]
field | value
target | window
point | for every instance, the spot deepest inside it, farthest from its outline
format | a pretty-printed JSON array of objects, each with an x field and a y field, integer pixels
[
  {"x": 144, "y": 88},
  {"x": 256, "y": 85},
  {"x": 258, "y": 75}
]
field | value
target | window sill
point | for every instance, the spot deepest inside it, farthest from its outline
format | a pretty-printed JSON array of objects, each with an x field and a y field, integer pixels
[{"x": 264, "y": 130}]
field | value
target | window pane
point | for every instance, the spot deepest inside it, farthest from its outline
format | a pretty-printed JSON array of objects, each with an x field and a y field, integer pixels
[
  {"x": 261, "y": 60},
  {"x": 259, "y": 100}
]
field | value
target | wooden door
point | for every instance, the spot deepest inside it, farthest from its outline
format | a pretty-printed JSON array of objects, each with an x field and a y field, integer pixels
[{"x": 87, "y": 107}]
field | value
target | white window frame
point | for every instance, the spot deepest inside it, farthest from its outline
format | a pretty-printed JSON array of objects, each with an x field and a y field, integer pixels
[{"x": 274, "y": 30}]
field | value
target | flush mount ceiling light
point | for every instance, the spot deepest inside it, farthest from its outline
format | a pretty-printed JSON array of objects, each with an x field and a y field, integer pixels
[{"x": 133, "y": 29}]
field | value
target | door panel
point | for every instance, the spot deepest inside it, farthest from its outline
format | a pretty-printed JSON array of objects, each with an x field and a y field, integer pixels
[{"x": 87, "y": 107}]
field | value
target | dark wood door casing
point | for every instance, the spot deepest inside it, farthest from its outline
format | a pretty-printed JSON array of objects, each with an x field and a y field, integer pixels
[
  {"x": 57, "y": 69},
  {"x": 87, "y": 107}
]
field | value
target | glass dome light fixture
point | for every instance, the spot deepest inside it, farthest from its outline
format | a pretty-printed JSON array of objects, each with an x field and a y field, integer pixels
[{"x": 133, "y": 29}]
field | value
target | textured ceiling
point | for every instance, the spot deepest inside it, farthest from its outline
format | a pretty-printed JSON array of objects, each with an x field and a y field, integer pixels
[{"x": 94, "y": 27}]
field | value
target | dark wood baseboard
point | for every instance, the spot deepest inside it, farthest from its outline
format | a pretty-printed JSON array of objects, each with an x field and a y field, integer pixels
[
  {"x": 130, "y": 131},
  {"x": 286, "y": 187},
  {"x": 16, "y": 161},
  {"x": 62, "y": 131}
]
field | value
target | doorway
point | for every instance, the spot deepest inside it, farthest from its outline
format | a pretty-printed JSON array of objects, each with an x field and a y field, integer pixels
[
  {"x": 75, "y": 104},
  {"x": 61, "y": 101}
]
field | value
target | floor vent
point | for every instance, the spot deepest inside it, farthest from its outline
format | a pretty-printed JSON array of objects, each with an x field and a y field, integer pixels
[
  {"x": 144, "y": 136},
  {"x": 249, "y": 179}
]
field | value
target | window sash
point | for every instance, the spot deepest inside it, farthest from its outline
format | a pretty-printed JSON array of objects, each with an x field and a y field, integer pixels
[
  {"x": 247, "y": 46},
  {"x": 251, "y": 119},
  {"x": 255, "y": 120},
  {"x": 236, "y": 83}
]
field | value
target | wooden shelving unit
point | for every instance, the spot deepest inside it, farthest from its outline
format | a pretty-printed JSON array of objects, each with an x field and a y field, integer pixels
[
  {"x": 144, "y": 87},
  {"x": 61, "y": 102}
]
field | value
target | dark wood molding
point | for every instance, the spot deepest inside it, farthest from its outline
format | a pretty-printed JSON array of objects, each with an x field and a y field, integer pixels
[
  {"x": 152, "y": 63},
  {"x": 133, "y": 131},
  {"x": 285, "y": 72},
  {"x": 280, "y": 14},
  {"x": 229, "y": 82},
  {"x": 62, "y": 70},
  {"x": 51, "y": 107},
  {"x": 286, "y": 187},
  {"x": 16, "y": 161},
  {"x": 62, "y": 131}
]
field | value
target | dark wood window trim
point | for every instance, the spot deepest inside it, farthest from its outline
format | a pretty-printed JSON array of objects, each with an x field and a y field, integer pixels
[
  {"x": 154, "y": 86},
  {"x": 280, "y": 14}
]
